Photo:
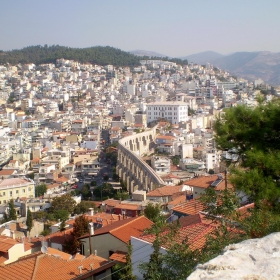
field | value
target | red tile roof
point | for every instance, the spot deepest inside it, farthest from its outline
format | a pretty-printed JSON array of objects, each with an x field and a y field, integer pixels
[
  {"x": 206, "y": 181},
  {"x": 165, "y": 191},
  {"x": 124, "y": 229},
  {"x": 46, "y": 267},
  {"x": 195, "y": 233},
  {"x": 119, "y": 256},
  {"x": 190, "y": 207}
]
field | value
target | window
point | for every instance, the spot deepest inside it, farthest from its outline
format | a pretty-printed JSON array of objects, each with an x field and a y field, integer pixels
[
  {"x": 17, "y": 191},
  {"x": 11, "y": 193},
  {"x": 23, "y": 190},
  {"x": 4, "y": 193}
]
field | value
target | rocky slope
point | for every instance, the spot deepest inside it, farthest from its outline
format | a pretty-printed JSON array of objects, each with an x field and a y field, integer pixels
[{"x": 253, "y": 259}]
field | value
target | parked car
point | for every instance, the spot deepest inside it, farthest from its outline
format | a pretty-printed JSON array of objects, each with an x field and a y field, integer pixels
[{"x": 75, "y": 187}]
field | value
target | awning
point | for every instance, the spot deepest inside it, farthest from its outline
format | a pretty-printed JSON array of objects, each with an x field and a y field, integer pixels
[{"x": 92, "y": 174}]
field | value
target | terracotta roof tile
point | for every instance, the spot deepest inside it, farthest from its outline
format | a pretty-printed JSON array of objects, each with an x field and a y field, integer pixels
[
  {"x": 190, "y": 207},
  {"x": 46, "y": 267},
  {"x": 196, "y": 235},
  {"x": 124, "y": 229},
  {"x": 119, "y": 256},
  {"x": 206, "y": 181},
  {"x": 165, "y": 191}
]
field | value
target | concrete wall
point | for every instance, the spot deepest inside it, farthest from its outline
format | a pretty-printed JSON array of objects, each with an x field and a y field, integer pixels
[{"x": 103, "y": 244}]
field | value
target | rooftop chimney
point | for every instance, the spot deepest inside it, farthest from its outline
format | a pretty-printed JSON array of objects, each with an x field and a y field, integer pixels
[
  {"x": 91, "y": 228},
  {"x": 80, "y": 269},
  {"x": 91, "y": 211}
]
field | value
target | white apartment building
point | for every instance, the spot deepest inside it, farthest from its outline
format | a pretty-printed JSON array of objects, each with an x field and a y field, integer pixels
[
  {"x": 173, "y": 111},
  {"x": 161, "y": 165}
]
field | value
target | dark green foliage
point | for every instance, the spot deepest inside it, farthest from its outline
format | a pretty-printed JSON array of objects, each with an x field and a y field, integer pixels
[
  {"x": 12, "y": 214},
  {"x": 124, "y": 272},
  {"x": 62, "y": 225},
  {"x": 29, "y": 220},
  {"x": 61, "y": 214},
  {"x": 121, "y": 195},
  {"x": 84, "y": 206},
  {"x": 176, "y": 160},
  {"x": 251, "y": 135},
  {"x": 64, "y": 202},
  {"x": 222, "y": 205},
  {"x": 105, "y": 190},
  {"x": 85, "y": 191},
  {"x": 45, "y": 232},
  {"x": 152, "y": 212},
  {"x": 93, "y": 183},
  {"x": 40, "y": 190},
  {"x": 180, "y": 261},
  {"x": 95, "y": 55},
  {"x": 115, "y": 177},
  {"x": 261, "y": 222}
]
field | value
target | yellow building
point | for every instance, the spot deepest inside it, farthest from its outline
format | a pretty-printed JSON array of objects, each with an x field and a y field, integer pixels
[{"x": 14, "y": 188}]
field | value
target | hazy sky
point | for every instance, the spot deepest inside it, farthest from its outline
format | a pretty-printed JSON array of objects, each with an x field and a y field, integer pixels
[{"x": 174, "y": 28}]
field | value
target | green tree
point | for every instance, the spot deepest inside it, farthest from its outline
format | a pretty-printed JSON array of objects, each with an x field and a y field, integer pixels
[
  {"x": 251, "y": 137},
  {"x": 62, "y": 225},
  {"x": 40, "y": 190},
  {"x": 116, "y": 177},
  {"x": 125, "y": 271},
  {"x": 64, "y": 202},
  {"x": 153, "y": 212},
  {"x": 29, "y": 220},
  {"x": 93, "y": 183},
  {"x": 176, "y": 160},
  {"x": 12, "y": 214},
  {"x": 180, "y": 260},
  {"x": 84, "y": 206},
  {"x": 61, "y": 214}
]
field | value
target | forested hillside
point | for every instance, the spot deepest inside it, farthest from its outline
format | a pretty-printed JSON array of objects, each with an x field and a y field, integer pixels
[{"x": 95, "y": 55}]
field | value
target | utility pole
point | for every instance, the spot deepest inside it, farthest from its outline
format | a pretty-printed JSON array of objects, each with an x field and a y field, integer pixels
[{"x": 226, "y": 179}]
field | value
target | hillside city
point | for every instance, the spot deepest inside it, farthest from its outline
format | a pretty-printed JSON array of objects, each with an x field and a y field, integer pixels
[{"x": 104, "y": 146}]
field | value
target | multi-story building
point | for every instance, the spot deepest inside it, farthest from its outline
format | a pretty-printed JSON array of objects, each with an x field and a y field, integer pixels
[
  {"x": 16, "y": 188},
  {"x": 174, "y": 112},
  {"x": 161, "y": 164}
]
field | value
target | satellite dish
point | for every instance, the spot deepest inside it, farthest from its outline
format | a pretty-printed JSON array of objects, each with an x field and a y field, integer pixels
[{"x": 44, "y": 249}]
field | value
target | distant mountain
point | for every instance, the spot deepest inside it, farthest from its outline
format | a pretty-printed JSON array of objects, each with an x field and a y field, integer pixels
[
  {"x": 252, "y": 65},
  {"x": 203, "y": 57},
  {"x": 147, "y": 53}
]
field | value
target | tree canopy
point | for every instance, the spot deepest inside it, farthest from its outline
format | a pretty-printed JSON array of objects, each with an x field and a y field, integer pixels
[
  {"x": 29, "y": 220},
  {"x": 95, "y": 55},
  {"x": 64, "y": 202},
  {"x": 12, "y": 214},
  {"x": 40, "y": 190},
  {"x": 251, "y": 137}
]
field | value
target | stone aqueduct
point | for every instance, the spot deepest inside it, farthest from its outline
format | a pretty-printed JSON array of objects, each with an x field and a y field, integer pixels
[{"x": 134, "y": 171}]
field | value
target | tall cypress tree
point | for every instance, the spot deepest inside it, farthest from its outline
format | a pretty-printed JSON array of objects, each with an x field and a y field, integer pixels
[
  {"x": 29, "y": 220},
  {"x": 12, "y": 214}
]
